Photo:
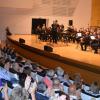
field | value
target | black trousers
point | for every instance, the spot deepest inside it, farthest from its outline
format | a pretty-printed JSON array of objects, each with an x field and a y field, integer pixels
[{"x": 83, "y": 46}]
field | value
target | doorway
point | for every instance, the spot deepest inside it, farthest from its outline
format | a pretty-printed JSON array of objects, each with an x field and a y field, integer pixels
[{"x": 37, "y": 22}]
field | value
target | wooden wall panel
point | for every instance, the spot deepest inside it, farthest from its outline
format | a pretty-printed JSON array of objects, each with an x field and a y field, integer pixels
[{"x": 95, "y": 14}]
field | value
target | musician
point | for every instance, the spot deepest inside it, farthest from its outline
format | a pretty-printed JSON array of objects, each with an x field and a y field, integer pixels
[
  {"x": 49, "y": 34},
  {"x": 43, "y": 33},
  {"x": 98, "y": 38},
  {"x": 73, "y": 36},
  {"x": 8, "y": 31},
  {"x": 55, "y": 26},
  {"x": 85, "y": 41},
  {"x": 62, "y": 28},
  {"x": 95, "y": 43},
  {"x": 38, "y": 32}
]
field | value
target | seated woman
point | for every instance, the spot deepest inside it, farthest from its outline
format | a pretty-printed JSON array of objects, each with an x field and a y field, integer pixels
[{"x": 48, "y": 78}]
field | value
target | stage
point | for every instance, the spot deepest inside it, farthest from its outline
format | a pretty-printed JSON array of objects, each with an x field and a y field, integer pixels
[{"x": 70, "y": 51}]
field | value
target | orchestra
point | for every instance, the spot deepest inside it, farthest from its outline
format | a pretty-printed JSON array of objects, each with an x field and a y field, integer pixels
[{"x": 84, "y": 37}]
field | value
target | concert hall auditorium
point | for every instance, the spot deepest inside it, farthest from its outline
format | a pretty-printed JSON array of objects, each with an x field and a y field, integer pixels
[{"x": 49, "y": 49}]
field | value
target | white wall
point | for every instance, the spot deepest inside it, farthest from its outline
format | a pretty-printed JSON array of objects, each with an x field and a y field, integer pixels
[
  {"x": 20, "y": 20},
  {"x": 18, "y": 24},
  {"x": 16, "y": 3},
  {"x": 80, "y": 16}
]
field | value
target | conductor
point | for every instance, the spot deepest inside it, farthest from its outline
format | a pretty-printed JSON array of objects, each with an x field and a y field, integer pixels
[{"x": 54, "y": 31}]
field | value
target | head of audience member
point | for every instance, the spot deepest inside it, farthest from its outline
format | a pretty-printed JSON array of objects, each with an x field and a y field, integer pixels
[
  {"x": 56, "y": 84},
  {"x": 17, "y": 67},
  {"x": 66, "y": 76},
  {"x": 19, "y": 59},
  {"x": 59, "y": 71},
  {"x": 72, "y": 89},
  {"x": 48, "y": 78},
  {"x": 95, "y": 88},
  {"x": 36, "y": 67},
  {"x": 28, "y": 63},
  {"x": 66, "y": 79},
  {"x": 78, "y": 81},
  {"x": 7, "y": 65},
  {"x": 74, "y": 94},
  {"x": 2, "y": 62},
  {"x": 64, "y": 97},
  {"x": 12, "y": 50},
  {"x": 50, "y": 73},
  {"x": 41, "y": 87},
  {"x": 19, "y": 93},
  {"x": 22, "y": 78},
  {"x": 27, "y": 71}
]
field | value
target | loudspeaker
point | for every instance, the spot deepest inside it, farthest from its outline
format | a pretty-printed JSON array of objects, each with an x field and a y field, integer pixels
[
  {"x": 48, "y": 48},
  {"x": 70, "y": 22},
  {"x": 21, "y": 41}
]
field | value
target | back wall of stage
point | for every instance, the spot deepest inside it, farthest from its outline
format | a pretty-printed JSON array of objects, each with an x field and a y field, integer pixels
[{"x": 19, "y": 19}]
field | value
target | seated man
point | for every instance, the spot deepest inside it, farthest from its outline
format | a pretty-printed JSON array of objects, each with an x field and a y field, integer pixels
[
  {"x": 84, "y": 42},
  {"x": 95, "y": 45}
]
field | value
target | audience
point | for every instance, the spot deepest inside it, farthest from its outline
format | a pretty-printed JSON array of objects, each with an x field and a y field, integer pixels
[
  {"x": 89, "y": 37},
  {"x": 30, "y": 80}
]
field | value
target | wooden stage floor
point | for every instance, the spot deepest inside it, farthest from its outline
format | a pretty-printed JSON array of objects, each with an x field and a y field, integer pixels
[{"x": 62, "y": 49}]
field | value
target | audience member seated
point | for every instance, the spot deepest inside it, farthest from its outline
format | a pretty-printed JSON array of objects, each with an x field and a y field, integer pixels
[
  {"x": 78, "y": 81},
  {"x": 74, "y": 93},
  {"x": 7, "y": 65},
  {"x": 60, "y": 73},
  {"x": 48, "y": 78},
  {"x": 94, "y": 88},
  {"x": 66, "y": 80},
  {"x": 40, "y": 93},
  {"x": 56, "y": 92},
  {"x": 18, "y": 93},
  {"x": 95, "y": 45}
]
